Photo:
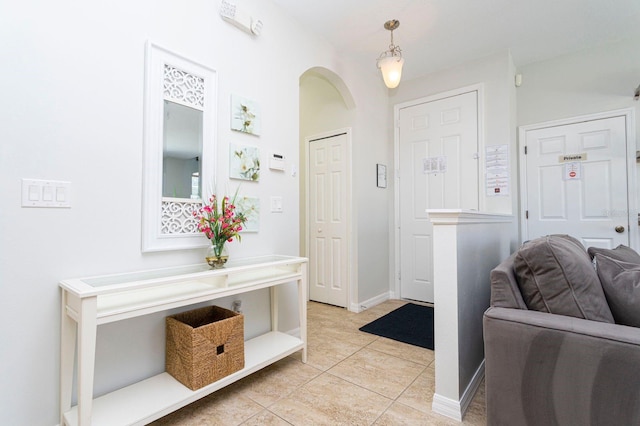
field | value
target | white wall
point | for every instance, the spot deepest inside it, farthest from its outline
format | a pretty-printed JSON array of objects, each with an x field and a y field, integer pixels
[
  {"x": 73, "y": 90},
  {"x": 595, "y": 80},
  {"x": 322, "y": 107},
  {"x": 372, "y": 215}
]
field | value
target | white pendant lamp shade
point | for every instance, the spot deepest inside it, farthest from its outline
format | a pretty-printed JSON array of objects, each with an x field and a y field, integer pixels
[
  {"x": 391, "y": 68},
  {"x": 390, "y": 61}
]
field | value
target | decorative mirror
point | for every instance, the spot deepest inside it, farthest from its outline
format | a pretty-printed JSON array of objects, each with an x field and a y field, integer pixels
[{"x": 179, "y": 149}]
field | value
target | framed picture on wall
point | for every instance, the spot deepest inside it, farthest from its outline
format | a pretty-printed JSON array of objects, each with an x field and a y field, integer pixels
[
  {"x": 250, "y": 208},
  {"x": 245, "y": 115},
  {"x": 244, "y": 162},
  {"x": 381, "y": 175}
]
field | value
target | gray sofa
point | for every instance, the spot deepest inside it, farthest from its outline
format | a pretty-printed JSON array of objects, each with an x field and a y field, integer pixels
[{"x": 556, "y": 349}]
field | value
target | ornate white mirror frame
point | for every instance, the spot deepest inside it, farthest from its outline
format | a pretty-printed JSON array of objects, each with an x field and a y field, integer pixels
[{"x": 168, "y": 223}]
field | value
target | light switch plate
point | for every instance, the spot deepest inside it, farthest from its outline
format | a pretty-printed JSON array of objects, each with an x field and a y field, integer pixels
[
  {"x": 46, "y": 193},
  {"x": 276, "y": 204}
]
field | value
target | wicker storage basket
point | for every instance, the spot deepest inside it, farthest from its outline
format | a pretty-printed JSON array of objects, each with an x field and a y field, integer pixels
[{"x": 204, "y": 345}]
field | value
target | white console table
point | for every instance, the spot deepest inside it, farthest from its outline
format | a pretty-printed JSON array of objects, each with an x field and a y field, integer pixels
[{"x": 89, "y": 302}]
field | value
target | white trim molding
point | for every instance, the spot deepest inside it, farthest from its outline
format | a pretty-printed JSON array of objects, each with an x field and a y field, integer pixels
[
  {"x": 363, "y": 306},
  {"x": 453, "y": 408},
  {"x": 457, "y": 216},
  {"x": 447, "y": 407}
]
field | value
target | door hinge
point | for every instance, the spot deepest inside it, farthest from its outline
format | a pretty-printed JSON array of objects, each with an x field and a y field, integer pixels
[
  {"x": 525, "y": 150},
  {"x": 526, "y": 214}
]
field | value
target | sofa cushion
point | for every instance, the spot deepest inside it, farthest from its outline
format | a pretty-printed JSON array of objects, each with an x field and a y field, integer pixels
[
  {"x": 621, "y": 283},
  {"x": 555, "y": 275},
  {"x": 623, "y": 253}
]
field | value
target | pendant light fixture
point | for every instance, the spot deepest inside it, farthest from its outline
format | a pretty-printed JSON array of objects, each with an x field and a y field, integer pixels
[{"x": 390, "y": 61}]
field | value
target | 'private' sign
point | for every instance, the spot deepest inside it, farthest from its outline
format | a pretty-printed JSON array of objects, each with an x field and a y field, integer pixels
[{"x": 570, "y": 158}]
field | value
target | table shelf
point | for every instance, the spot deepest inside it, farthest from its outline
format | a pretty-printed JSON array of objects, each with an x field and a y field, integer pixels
[
  {"x": 159, "y": 395},
  {"x": 89, "y": 302}
]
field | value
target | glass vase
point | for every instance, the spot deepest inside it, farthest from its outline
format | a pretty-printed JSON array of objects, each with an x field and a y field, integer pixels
[{"x": 217, "y": 255}]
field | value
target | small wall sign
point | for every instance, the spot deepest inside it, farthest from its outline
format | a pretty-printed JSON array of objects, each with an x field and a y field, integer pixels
[
  {"x": 570, "y": 158},
  {"x": 572, "y": 171},
  {"x": 434, "y": 165},
  {"x": 497, "y": 170}
]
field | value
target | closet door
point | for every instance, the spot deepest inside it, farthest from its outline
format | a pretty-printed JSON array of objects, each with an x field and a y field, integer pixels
[{"x": 328, "y": 207}]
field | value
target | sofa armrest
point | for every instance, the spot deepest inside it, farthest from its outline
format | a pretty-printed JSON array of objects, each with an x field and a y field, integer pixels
[{"x": 546, "y": 369}]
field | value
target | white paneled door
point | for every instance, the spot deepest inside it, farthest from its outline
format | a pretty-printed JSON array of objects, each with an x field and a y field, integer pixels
[
  {"x": 438, "y": 147},
  {"x": 328, "y": 209},
  {"x": 576, "y": 182}
]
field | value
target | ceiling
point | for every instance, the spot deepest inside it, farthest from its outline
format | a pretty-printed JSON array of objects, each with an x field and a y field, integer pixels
[{"x": 440, "y": 34}]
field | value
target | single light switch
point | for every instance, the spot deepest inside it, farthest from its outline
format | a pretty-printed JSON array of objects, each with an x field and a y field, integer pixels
[
  {"x": 61, "y": 194},
  {"x": 47, "y": 193},
  {"x": 34, "y": 192},
  {"x": 276, "y": 204}
]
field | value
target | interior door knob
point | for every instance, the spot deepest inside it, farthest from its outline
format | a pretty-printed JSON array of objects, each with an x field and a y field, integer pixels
[{"x": 619, "y": 229}]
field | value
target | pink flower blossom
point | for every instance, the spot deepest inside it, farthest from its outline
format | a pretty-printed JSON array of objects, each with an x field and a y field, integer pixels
[{"x": 219, "y": 222}]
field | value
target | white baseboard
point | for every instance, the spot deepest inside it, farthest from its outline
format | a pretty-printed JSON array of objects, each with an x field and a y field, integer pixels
[
  {"x": 471, "y": 390},
  {"x": 456, "y": 409},
  {"x": 363, "y": 306},
  {"x": 447, "y": 407}
]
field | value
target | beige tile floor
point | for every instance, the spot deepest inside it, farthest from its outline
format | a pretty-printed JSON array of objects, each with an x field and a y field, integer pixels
[{"x": 350, "y": 378}]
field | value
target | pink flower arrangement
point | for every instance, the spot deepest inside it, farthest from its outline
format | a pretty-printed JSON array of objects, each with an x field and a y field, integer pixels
[{"x": 220, "y": 223}]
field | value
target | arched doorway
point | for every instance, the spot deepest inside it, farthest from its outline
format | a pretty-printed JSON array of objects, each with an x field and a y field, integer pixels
[{"x": 326, "y": 117}]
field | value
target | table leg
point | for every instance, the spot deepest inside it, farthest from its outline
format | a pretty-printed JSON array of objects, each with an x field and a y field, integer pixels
[
  {"x": 274, "y": 307},
  {"x": 87, "y": 328},
  {"x": 68, "y": 333},
  {"x": 302, "y": 307}
]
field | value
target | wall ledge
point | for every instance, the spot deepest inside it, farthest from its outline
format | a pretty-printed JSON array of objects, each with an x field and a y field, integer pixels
[{"x": 460, "y": 216}]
